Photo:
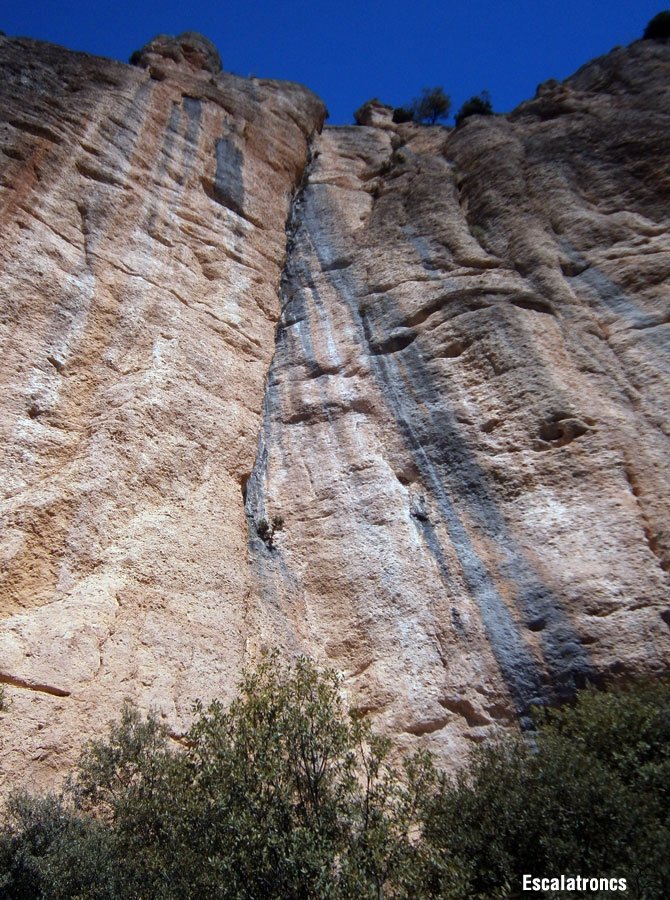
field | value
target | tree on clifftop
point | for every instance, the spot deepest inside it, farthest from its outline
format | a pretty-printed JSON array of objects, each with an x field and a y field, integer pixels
[{"x": 433, "y": 104}]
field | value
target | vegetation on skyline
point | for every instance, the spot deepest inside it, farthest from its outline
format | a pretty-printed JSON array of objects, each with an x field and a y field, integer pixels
[
  {"x": 479, "y": 105},
  {"x": 433, "y": 104},
  {"x": 658, "y": 28}
]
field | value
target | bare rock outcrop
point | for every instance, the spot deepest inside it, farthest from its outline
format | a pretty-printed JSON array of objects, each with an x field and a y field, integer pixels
[
  {"x": 441, "y": 357},
  {"x": 189, "y": 48},
  {"x": 374, "y": 113}
]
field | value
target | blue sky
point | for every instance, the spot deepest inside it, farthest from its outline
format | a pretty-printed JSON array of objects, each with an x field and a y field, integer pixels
[{"x": 349, "y": 51}]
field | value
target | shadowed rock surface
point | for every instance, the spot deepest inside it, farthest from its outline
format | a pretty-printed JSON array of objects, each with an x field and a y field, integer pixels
[{"x": 441, "y": 357}]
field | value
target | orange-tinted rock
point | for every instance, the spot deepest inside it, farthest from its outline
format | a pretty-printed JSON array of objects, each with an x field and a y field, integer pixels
[
  {"x": 143, "y": 239},
  {"x": 450, "y": 379}
]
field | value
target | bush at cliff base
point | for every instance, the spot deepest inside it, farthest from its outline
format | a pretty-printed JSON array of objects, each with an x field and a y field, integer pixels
[
  {"x": 282, "y": 795},
  {"x": 285, "y": 795},
  {"x": 589, "y": 795}
]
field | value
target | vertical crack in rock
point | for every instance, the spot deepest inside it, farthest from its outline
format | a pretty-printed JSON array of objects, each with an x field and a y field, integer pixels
[
  {"x": 269, "y": 564},
  {"x": 406, "y": 393},
  {"x": 316, "y": 228}
]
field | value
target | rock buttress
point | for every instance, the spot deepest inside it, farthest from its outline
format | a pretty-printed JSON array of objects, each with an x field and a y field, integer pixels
[
  {"x": 466, "y": 418},
  {"x": 143, "y": 238}
]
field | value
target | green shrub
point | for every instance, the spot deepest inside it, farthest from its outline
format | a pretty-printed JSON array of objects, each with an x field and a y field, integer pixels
[
  {"x": 49, "y": 850},
  {"x": 479, "y": 105},
  {"x": 433, "y": 104},
  {"x": 266, "y": 530},
  {"x": 299, "y": 799},
  {"x": 286, "y": 795},
  {"x": 658, "y": 28},
  {"x": 589, "y": 795},
  {"x": 282, "y": 795},
  {"x": 403, "y": 114}
]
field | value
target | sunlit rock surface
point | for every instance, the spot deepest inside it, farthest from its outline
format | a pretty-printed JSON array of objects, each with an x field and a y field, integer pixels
[
  {"x": 442, "y": 357},
  {"x": 143, "y": 239}
]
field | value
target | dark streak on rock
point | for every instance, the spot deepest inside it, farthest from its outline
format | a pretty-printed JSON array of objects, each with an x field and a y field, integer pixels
[
  {"x": 228, "y": 187},
  {"x": 452, "y": 475},
  {"x": 33, "y": 686}
]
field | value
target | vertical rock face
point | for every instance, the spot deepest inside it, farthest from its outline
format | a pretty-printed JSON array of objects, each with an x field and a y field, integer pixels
[
  {"x": 448, "y": 376},
  {"x": 466, "y": 421},
  {"x": 143, "y": 238}
]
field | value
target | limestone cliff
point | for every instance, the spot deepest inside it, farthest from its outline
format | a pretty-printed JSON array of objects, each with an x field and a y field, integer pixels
[{"x": 442, "y": 357}]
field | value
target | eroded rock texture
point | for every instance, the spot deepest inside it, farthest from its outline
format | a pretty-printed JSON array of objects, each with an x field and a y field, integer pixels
[
  {"x": 448, "y": 375},
  {"x": 143, "y": 238}
]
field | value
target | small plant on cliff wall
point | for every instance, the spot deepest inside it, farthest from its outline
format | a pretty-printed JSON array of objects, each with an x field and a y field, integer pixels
[{"x": 266, "y": 530}]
